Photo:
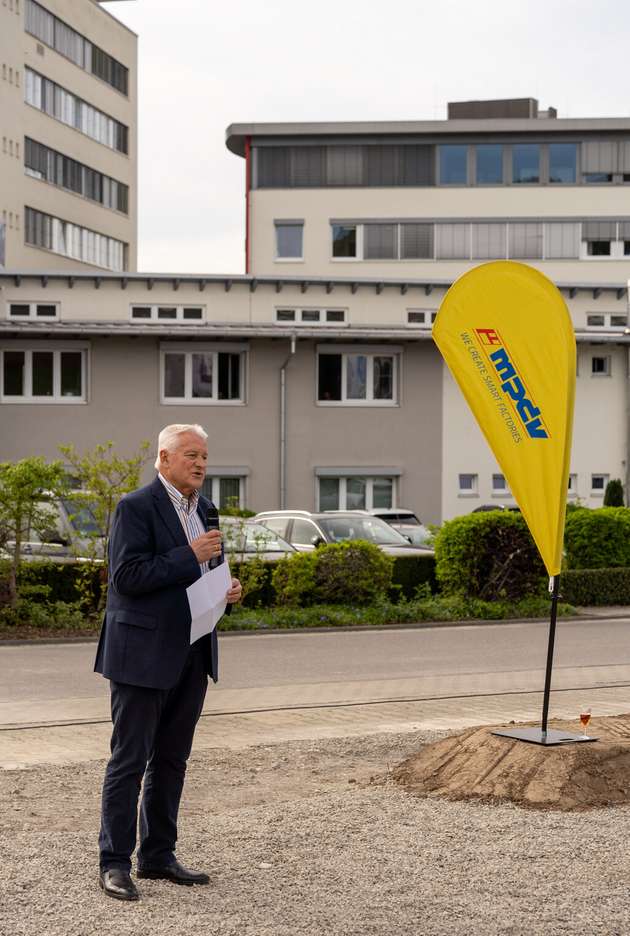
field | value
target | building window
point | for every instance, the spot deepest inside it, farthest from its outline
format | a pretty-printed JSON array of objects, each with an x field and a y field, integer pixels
[
  {"x": 289, "y": 240},
  {"x": 489, "y": 241},
  {"x": 422, "y": 317},
  {"x": 157, "y": 313},
  {"x": 345, "y": 241},
  {"x": 468, "y": 484},
  {"x": 311, "y": 316},
  {"x": 41, "y": 162},
  {"x": 452, "y": 241},
  {"x": 563, "y": 163},
  {"x": 598, "y": 237},
  {"x": 499, "y": 485},
  {"x": 526, "y": 163},
  {"x": 356, "y": 492},
  {"x": 204, "y": 375},
  {"x": 357, "y": 378},
  {"x": 70, "y": 240},
  {"x": 598, "y": 484},
  {"x": 453, "y": 160},
  {"x": 55, "y": 101},
  {"x": 562, "y": 240},
  {"x": 600, "y": 366},
  {"x": 33, "y": 310},
  {"x": 46, "y": 373},
  {"x": 526, "y": 241},
  {"x": 224, "y": 491},
  {"x": 72, "y": 45},
  {"x": 595, "y": 321},
  {"x": 572, "y": 485},
  {"x": 489, "y": 159}
]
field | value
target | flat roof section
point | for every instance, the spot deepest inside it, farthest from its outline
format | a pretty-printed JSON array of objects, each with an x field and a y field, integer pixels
[{"x": 237, "y": 133}]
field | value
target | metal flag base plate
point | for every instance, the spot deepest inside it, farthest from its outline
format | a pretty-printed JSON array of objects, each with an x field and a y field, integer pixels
[{"x": 538, "y": 736}]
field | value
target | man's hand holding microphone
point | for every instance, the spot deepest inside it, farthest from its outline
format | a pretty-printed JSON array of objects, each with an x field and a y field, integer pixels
[{"x": 207, "y": 547}]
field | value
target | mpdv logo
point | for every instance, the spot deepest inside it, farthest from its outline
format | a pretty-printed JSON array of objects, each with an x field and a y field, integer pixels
[{"x": 511, "y": 383}]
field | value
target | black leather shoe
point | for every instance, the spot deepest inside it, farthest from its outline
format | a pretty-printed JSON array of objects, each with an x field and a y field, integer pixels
[
  {"x": 174, "y": 872},
  {"x": 117, "y": 883}
]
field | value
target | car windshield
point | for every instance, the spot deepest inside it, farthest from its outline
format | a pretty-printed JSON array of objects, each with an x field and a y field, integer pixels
[
  {"x": 81, "y": 516},
  {"x": 338, "y": 529},
  {"x": 416, "y": 532},
  {"x": 252, "y": 538},
  {"x": 398, "y": 518}
]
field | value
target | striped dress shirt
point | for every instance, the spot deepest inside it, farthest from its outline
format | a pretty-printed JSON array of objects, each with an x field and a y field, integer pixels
[{"x": 186, "y": 509}]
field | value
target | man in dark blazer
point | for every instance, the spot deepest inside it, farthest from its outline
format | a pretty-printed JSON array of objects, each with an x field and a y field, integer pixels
[{"x": 159, "y": 545}]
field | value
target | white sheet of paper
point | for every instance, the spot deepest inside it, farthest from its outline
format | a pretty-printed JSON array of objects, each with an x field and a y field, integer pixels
[{"x": 206, "y": 598}]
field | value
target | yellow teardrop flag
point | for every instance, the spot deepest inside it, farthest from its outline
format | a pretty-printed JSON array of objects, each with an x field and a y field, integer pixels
[{"x": 506, "y": 334}]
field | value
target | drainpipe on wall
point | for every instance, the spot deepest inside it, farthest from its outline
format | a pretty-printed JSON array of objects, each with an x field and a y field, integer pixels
[
  {"x": 248, "y": 174},
  {"x": 283, "y": 425}
]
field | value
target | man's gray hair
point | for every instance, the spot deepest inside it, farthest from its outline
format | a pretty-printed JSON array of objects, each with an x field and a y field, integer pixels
[{"x": 169, "y": 436}]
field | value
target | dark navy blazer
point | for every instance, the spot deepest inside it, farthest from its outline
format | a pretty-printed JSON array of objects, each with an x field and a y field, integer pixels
[{"x": 145, "y": 638}]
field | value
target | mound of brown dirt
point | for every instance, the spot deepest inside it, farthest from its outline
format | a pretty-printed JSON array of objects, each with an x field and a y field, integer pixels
[{"x": 477, "y": 764}]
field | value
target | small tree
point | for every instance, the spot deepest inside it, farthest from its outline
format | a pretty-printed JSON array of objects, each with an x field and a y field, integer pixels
[
  {"x": 27, "y": 488},
  {"x": 613, "y": 495},
  {"x": 104, "y": 477}
]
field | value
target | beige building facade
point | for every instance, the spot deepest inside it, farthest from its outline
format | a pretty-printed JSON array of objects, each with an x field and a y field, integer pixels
[
  {"x": 68, "y": 128},
  {"x": 315, "y": 373}
]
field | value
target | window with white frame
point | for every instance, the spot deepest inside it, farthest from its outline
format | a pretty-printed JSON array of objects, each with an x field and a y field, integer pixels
[
  {"x": 598, "y": 484},
  {"x": 356, "y": 376},
  {"x": 224, "y": 490},
  {"x": 346, "y": 241},
  {"x": 44, "y": 372},
  {"x": 572, "y": 485},
  {"x": 356, "y": 492},
  {"x": 166, "y": 313},
  {"x": 289, "y": 240},
  {"x": 606, "y": 320},
  {"x": 499, "y": 486},
  {"x": 202, "y": 373},
  {"x": 34, "y": 310},
  {"x": 311, "y": 316},
  {"x": 423, "y": 318},
  {"x": 468, "y": 484},
  {"x": 600, "y": 366}
]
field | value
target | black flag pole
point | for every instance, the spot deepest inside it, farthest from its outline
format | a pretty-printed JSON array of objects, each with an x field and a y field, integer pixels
[{"x": 544, "y": 735}]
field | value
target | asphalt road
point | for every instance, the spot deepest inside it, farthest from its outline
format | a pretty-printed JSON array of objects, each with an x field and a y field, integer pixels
[{"x": 47, "y": 683}]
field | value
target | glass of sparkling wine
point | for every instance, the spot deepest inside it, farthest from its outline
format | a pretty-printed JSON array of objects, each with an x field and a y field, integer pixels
[{"x": 585, "y": 717}]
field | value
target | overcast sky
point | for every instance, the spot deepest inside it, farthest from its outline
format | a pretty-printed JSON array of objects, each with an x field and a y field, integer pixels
[{"x": 204, "y": 65}]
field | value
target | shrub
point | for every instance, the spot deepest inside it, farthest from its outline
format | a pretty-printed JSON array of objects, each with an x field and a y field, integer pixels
[
  {"x": 51, "y": 616},
  {"x": 489, "y": 555},
  {"x": 613, "y": 495},
  {"x": 596, "y": 586},
  {"x": 293, "y": 579},
  {"x": 354, "y": 572},
  {"x": 411, "y": 571},
  {"x": 598, "y": 539},
  {"x": 68, "y": 581},
  {"x": 338, "y": 573}
]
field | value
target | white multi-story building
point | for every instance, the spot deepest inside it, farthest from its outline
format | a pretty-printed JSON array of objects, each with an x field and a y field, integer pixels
[
  {"x": 68, "y": 118},
  {"x": 315, "y": 372}
]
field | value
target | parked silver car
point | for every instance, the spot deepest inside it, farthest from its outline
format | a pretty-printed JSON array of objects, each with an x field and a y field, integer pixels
[
  {"x": 407, "y": 523},
  {"x": 305, "y": 530},
  {"x": 245, "y": 540}
]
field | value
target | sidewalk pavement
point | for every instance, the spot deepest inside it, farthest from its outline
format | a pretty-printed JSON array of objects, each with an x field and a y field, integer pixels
[{"x": 81, "y": 742}]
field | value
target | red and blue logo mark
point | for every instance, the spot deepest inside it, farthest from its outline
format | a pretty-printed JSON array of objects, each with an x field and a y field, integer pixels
[{"x": 511, "y": 382}]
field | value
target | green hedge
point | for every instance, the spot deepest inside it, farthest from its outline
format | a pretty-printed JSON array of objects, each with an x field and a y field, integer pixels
[
  {"x": 596, "y": 586},
  {"x": 489, "y": 555},
  {"x": 411, "y": 571},
  {"x": 597, "y": 539},
  {"x": 62, "y": 580}
]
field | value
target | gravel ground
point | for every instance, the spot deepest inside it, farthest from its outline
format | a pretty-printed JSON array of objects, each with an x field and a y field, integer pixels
[{"x": 310, "y": 838}]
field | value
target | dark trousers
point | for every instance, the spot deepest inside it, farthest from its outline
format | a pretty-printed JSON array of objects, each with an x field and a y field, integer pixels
[{"x": 152, "y": 737}]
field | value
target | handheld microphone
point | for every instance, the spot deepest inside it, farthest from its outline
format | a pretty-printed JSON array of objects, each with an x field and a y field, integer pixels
[{"x": 212, "y": 520}]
